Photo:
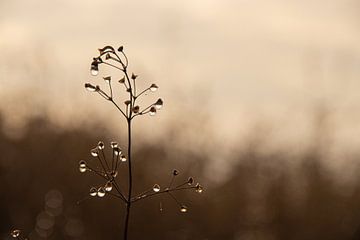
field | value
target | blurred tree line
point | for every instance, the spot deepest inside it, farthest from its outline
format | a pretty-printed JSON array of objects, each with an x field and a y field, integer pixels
[{"x": 263, "y": 197}]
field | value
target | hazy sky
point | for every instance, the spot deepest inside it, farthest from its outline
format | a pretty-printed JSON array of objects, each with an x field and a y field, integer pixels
[{"x": 241, "y": 65}]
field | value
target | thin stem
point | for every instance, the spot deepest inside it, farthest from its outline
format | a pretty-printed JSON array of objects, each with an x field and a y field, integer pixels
[
  {"x": 175, "y": 199},
  {"x": 117, "y": 106},
  {"x": 147, "y": 89},
  {"x": 163, "y": 191},
  {"x": 103, "y": 154},
  {"x": 112, "y": 65}
]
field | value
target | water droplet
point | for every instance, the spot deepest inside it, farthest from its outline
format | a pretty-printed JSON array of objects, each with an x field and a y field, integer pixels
[
  {"x": 159, "y": 103},
  {"x": 113, "y": 144},
  {"x": 199, "y": 188},
  {"x": 156, "y": 188},
  {"x": 93, "y": 192},
  {"x": 123, "y": 158},
  {"x": 107, "y": 79},
  {"x": 190, "y": 181},
  {"x": 82, "y": 166},
  {"x": 175, "y": 172},
  {"x": 117, "y": 151},
  {"x": 183, "y": 209},
  {"x": 152, "y": 111},
  {"x": 94, "y": 69},
  {"x": 108, "y": 186},
  {"x": 94, "y": 152},
  {"x": 101, "y": 145},
  {"x": 90, "y": 87},
  {"x": 160, "y": 206},
  {"x": 15, "y": 233},
  {"x": 114, "y": 174},
  {"x": 153, "y": 87},
  {"x": 101, "y": 192}
]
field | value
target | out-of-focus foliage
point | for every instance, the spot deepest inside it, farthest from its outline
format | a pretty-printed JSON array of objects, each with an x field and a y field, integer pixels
[{"x": 263, "y": 196}]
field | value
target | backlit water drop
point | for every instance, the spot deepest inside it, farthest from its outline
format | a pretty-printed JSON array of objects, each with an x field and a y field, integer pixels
[
  {"x": 108, "y": 186},
  {"x": 101, "y": 192},
  {"x": 15, "y": 233},
  {"x": 183, "y": 209},
  {"x": 101, "y": 145},
  {"x": 152, "y": 111},
  {"x": 123, "y": 158},
  {"x": 153, "y": 87},
  {"x": 156, "y": 188},
  {"x": 94, "y": 152},
  {"x": 93, "y": 192},
  {"x": 82, "y": 166}
]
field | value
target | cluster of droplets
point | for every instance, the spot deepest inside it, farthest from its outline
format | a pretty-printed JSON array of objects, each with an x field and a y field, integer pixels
[
  {"x": 156, "y": 189},
  {"x": 108, "y": 170},
  {"x": 118, "y": 60}
]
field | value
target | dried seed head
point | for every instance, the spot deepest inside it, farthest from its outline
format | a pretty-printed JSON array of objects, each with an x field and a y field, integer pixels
[
  {"x": 121, "y": 48},
  {"x": 106, "y": 49}
]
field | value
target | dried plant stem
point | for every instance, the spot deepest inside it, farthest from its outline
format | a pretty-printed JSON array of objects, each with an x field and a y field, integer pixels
[{"x": 128, "y": 204}]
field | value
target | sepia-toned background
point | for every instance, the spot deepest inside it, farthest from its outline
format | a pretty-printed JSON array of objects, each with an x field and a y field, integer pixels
[{"x": 261, "y": 105}]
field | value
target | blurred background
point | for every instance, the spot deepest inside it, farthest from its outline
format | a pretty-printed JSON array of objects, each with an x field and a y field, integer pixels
[{"x": 260, "y": 105}]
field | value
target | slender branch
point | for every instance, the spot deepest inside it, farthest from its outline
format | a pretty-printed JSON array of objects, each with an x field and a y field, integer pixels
[
  {"x": 117, "y": 106},
  {"x": 163, "y": 191}
]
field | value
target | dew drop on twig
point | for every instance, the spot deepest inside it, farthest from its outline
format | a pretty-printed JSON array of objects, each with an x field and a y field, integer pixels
[
  {"x": 108, "y": 186},
  {"x": 156, "y": 188},
  {"x": 101, "y": 192},
  {"x": 183, "y": 209},
  {"x": 93, "y": 192},
  {"x": 15, "y": 233},
  {"x": 82, "y": 166}
]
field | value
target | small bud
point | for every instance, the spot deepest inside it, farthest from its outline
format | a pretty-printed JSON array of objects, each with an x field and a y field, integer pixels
[
  {"x": 175, "y": 172},
  {"x": 121, "y": 48},
  {"x": 133, "y": 76},
  {"x": 108, "y": 186},
  {"x": 136, "y": 109},
  {"x": 159, "y": 103},
  {"x": 156, "y": 188},
  {"x": 114, "y": 174},
  {"x": 152, "y": 111},
  {"x": 190, "y": 181},
  {"x": 107, "y": 56},
  {"x": 127, "y": 102},
  {"x": 153, "y": 87},
  {"x": 122, "y": 80},
  {"x": 107, "y": 79},
  {"x": 15, "y": 233}
]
